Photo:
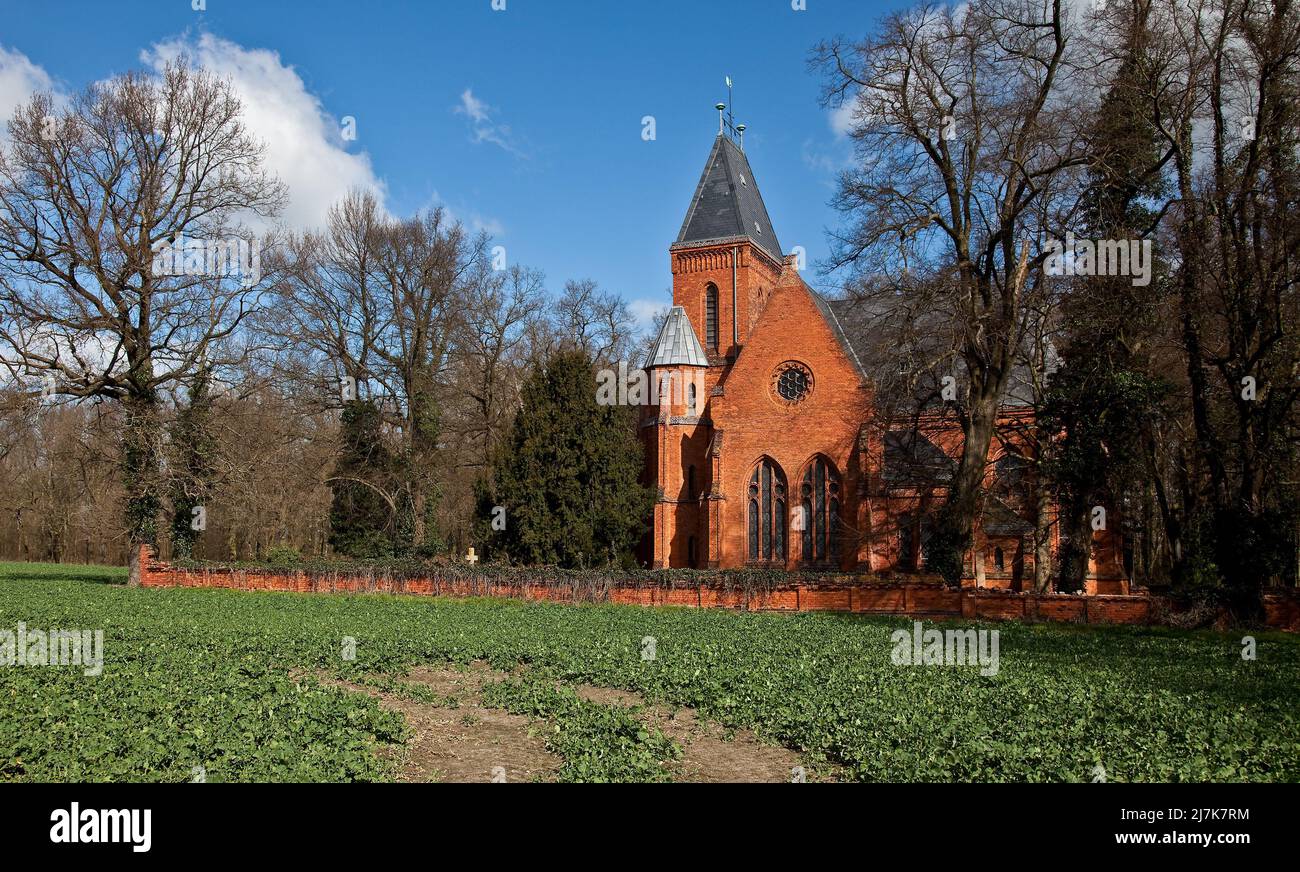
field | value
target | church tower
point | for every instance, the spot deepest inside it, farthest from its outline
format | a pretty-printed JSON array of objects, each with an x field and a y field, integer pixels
[
  {"x": 725, "y": 262},
  {"x": 726, "y": 258}
]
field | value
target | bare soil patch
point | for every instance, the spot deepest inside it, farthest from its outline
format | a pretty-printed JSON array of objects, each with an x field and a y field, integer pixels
[
  {"x": 462, "y": 741},
  {"x": 710, "y": 755}
]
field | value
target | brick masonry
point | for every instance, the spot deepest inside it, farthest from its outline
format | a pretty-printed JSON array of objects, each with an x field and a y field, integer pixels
[
  {"x": 701, "y": 456},
  {"x": 917, "y": 599}
]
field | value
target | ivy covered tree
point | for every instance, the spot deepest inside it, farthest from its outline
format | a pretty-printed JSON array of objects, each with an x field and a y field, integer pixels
[
  {"x": 419, "y": 491},
  {"x": 1103, "y": 398},
  {"x": 363, "y": 511},
  {"x": 567, "y": 475},
  {"x": 194, "y": 447}
]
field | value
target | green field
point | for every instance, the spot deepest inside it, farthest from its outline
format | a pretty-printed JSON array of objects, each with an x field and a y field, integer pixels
[{"x": 203, "y": 678}]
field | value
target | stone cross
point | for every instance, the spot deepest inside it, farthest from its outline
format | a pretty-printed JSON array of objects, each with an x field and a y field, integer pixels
[{"x": 471, "y": 558}]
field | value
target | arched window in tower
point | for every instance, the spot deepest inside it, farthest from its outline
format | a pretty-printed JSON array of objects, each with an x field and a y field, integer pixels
[
  {"x": 711, "y": 317},
  {"x": 767, "y": 503},
  {"x": 819, "y": 500},
  {"x": 690, "y": 398},
  {"x": 999, "y": 560}
]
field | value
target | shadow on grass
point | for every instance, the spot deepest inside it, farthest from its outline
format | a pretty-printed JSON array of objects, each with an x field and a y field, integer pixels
[{"x": 58, "y": 572}]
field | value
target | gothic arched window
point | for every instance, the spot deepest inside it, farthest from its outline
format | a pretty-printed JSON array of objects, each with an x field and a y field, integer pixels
[
  {"x": 711, "y": 317},
  {"x": 690, "y": 398},
  {"x": 767, "y": 503},
  {"x": 819, "y": 511}
]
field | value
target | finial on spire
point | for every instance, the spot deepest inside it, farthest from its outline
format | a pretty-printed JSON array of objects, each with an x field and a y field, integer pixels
[
  {"x": 728, "y": 123},
  {"x": 731, "y": 119}
]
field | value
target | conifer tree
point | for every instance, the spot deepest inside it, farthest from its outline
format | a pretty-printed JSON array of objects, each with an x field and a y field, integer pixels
[{"x": 567, "y": 475}]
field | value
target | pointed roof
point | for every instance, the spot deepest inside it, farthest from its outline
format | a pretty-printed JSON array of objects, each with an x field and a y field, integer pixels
[
  {"x": 912, "y": 459},
  {"x": 727, "y": 205},
  {"x": 677, "y": 344}
]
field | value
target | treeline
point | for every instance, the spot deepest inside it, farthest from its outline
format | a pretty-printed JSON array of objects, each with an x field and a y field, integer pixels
[
  {"x": 1096, "y": 210},
  {"x": 355, "y": 390}
]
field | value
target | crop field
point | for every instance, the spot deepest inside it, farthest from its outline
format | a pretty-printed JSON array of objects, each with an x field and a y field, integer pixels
[{"x": 238, "y": 686}]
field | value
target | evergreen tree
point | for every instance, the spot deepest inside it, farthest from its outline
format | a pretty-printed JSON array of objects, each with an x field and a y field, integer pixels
[{"x": 568, "y": 473}]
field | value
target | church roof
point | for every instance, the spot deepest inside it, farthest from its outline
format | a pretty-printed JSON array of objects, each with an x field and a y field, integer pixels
[
  {"x": 727, "y": 205},
  {"x": 1001, "y": 519},
  {"x": 878, "y": 327},
  {"x": 912, "y": 459},
  {"x": 677, "y": 344}
]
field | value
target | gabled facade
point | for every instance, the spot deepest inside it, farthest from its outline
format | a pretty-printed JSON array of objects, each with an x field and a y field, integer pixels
[{"x": 771, "y": 452}]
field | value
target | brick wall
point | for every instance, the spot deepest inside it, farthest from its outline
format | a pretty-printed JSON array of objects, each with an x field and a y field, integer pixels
[
  {"x": 887, "y": 598},
  {"x": 920, "y": 599}
]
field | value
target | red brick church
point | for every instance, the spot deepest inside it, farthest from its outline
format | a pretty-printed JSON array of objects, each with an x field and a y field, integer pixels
[{"x": 775, "y": 454}]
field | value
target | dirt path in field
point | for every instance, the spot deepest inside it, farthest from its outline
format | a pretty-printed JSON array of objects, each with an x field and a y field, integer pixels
[
  {"x": 709, "y": 754},
  {"x": 457, "y": 739},
  {"x": 461, "y": 741}
]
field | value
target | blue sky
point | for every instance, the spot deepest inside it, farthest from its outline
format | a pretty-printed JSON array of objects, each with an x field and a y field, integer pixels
[{"x": 526, "y": 121}]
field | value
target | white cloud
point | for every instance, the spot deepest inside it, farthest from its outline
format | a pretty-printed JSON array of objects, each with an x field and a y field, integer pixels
[
  {"x": 841, "y": 118},
  {"x": 304, "y": 142},
  {"x": 483, "y": 127},
  {"x": 474, "y": 220},
  {"x": 644, "y": 312},
  {"x": 19, "y": 79}
]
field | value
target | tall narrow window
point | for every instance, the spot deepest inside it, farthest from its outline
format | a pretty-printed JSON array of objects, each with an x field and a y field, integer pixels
[
  {"x": 690, "y": 398},
  {"x": 819, "y": 496},
  {"x": 906, "y": 542},
  {"x": 767, "y": 506},
  {"x": 711, "y": 316},
  {"x": 999, "y": 560}
]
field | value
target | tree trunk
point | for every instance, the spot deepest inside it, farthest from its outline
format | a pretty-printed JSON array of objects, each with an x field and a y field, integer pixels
[
  {"x": 135, "y": 571},
  {"x": 141, "y": 470},
  {"x": 1042, "y": 539},
  {"x": 968, "y": 482},
  {"x": 1076, "y": 527}
]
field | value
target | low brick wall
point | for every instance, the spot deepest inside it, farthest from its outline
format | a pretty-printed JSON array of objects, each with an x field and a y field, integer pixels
[
  {"x": 1282, "y": 610},
  {"x": 886, "y": 598}
]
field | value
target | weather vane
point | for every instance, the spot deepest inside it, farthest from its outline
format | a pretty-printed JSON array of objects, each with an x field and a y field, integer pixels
[{"x": 728, "y": 122}]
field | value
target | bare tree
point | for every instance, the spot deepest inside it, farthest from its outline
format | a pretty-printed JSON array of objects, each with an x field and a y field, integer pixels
[
  {"x": 122, "y": 267},
  {"x": 491, "y": 349},
  {"x": 971, "y": 142},
  {"x": 1223, "y": 88},
  {"x": 595, "y": 321},
  {"x": 379, "y": 301}
]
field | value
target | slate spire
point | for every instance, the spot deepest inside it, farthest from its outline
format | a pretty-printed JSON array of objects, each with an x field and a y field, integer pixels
[{"x": 727, "y": 206}]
